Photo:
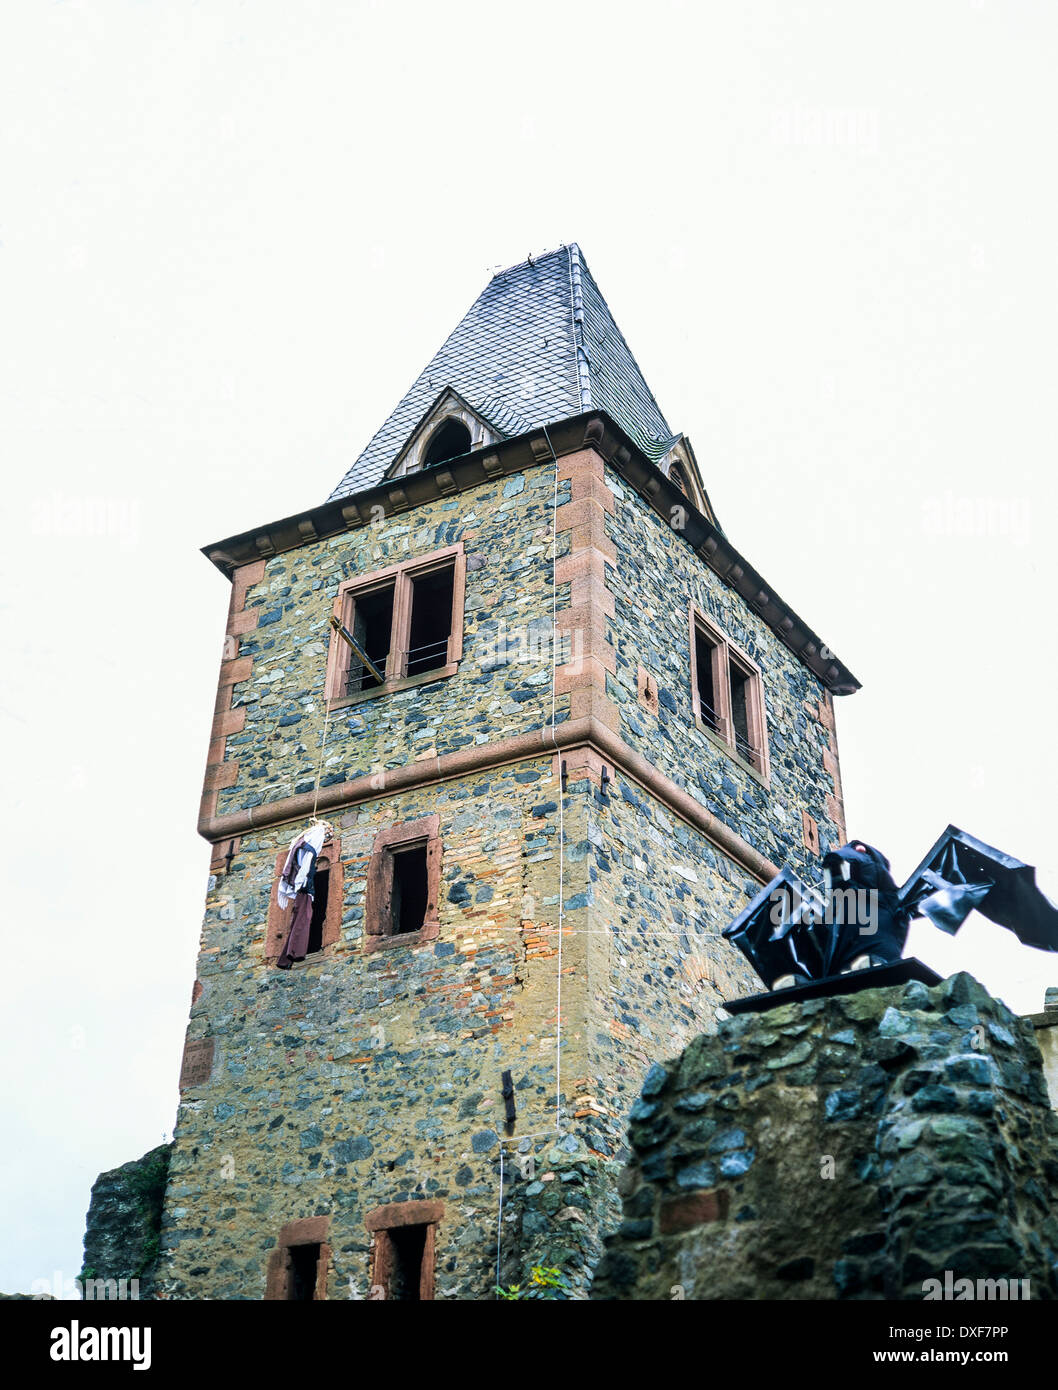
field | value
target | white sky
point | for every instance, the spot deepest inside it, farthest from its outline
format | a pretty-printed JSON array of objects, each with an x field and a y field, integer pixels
[{"x": 230, "y": 236}]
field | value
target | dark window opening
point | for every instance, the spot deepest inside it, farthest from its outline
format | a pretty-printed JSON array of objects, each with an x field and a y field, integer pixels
[
  {"x": 410, "y": 889},
  {"x": 703, "y": 660},
  {"x": 408, "y": 1245},
  {"x": 740, "y": 712},
  {"x": 304, "y": 1269},
  {"x": 676, "y": 477},
  {"x": 372, "y": 625},
  {"x": 319, "y": 908},
  {"x": 431, "y": 619},
  {"x": 451, "y": 441}
]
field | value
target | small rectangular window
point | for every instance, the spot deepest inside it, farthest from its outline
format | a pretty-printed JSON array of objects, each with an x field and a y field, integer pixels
[
  {"x": 405, "y": 1279},
  {"x": 299, "y": 1265},
  {"x": 403, "y": 884},
  {"x": 727, "y": 694},
  {"x": 410, "y": 888},
  {"x": 404, "y": 1250},
  {"x": 431, "y": 620},
  {"x": 740, "y": 723},
  {"x": 407, "y": 620},
  {"x": 704, "y": 652},
  {"x": 372, "y": 626},
  {"x": 304, "y": 1272},
  {"x": 319, "y": 912},
  {"x": 325, "y": 919}
]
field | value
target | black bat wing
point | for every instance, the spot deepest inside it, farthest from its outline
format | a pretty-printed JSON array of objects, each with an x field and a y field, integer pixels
[
  {"x": 778, "y": 932},
  {"x": 961, "y": 873}
]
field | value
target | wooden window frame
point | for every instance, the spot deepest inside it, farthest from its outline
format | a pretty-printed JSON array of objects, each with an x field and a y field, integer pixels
[
  {"x": 391, "y": 1217},
  {"x": 379, "y": 892},
  {"x": 279, "y": 917},
  {"x": 402, "y": 577},
  {"x": 308, "y": 1230},
  {"x": 724, "y": 654}
]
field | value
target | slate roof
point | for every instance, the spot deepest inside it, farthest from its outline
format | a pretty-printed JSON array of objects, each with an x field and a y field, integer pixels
[{"x": 539, "y": 344}]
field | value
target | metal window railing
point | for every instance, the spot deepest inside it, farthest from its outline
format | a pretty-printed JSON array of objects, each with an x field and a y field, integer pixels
[
  {"x": 749, "y": 751},
  {"x": 359, "y": 678},
  {"x": 425, "y": 657}
]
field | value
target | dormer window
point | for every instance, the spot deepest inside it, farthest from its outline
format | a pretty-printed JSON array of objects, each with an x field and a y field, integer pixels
[
  {"x": 450, "y": 441},
  {"x": 450, "y": 429},
  {"x": 681, "y": 468}
]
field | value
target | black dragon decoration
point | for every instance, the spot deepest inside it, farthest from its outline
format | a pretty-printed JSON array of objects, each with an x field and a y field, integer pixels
[{"x": 792, "y": 929}]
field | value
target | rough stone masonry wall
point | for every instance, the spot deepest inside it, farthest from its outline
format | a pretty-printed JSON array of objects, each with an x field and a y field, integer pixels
[
  {"x": 659, "y": 896},
  {"x": 121, "y": 1239},
  {"x": 356, "y": 1080},
  {"x": 850, "y": 1147},
  {"x": 281, "y": 658},
  {"x": 654, "y": 579}
]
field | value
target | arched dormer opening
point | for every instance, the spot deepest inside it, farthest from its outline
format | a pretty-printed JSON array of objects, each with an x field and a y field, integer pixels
[
  {"x": 678, "y": 478},
  {"x": 450, "y": 440}
]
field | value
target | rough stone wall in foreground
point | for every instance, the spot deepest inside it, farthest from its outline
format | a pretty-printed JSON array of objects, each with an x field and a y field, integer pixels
[
  {"x": 124, "y": 1220},
  {"x": 850, "y": 1147}
]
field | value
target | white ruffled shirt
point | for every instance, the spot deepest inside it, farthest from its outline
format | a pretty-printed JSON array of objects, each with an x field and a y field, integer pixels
[{"x": 307, "y": 851}]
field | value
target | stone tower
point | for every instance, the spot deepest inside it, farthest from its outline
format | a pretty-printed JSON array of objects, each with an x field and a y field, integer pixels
[{"x": 588, "y": 732}]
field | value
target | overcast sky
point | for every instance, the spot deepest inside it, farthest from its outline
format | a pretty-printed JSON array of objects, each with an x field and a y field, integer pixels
[{"x": 232, "y": 233}]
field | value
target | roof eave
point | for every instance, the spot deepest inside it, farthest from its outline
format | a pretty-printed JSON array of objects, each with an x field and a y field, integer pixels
[{"x": 594, "y": 429}]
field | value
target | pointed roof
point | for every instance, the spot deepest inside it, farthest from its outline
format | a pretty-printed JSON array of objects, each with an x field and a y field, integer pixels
[{"x": 539, "y": 344}]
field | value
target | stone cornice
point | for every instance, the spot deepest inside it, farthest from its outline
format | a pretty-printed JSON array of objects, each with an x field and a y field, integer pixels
[
  {"x": 595, "y": 430},
  {"x": 588, "y": 732}
]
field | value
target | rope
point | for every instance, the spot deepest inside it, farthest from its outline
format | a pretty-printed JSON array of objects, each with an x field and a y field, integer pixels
[
  {"x": 319, "y": 768},
  {"x": 499, "y": 1223},
  {"x": 561, "y": 791}
]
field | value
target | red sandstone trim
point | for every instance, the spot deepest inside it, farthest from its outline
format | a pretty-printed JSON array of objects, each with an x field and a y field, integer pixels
[
  {"x": 835, "y": 803},
  {"x": 378, "y": 897},
  {"x": 309, "y": 1230},
  {"x": 382, "y": 1220},
  {"x": 394, "y": 1214},
  {"x": 196, "y": 1065},
  {"x": 233, "y": 669}
]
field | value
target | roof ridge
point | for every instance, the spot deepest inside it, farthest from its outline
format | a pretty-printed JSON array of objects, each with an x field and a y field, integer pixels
[
  {"x": 531, "y": 260},
  {"x": 582, "y": 362},
  {"x": 617, "y": 329}
]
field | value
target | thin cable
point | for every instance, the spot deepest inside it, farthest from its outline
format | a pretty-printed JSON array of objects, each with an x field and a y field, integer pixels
[
  {"x": 499, "y": 1225},
  {"x": 319, "y": 769},
  {"x": 561, "y": 841},
  {"x": 561, "y": 789}
]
